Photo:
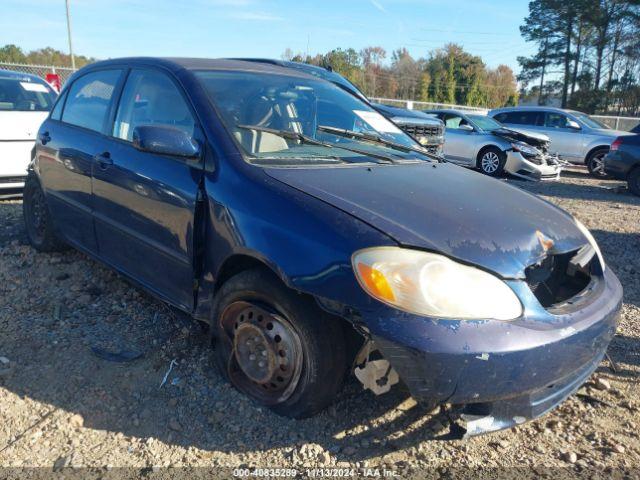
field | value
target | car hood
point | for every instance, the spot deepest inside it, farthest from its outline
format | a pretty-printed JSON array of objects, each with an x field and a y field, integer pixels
[
  {"x": 521, "y": 135},
  {"x": 445, "y": 208},
  {"x": 20, "y": 125}
]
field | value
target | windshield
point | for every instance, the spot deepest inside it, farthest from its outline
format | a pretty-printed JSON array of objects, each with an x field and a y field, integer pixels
[
  {"x": 589, "y": 121},
  {"x": 20, "y": 95},
  {"x": 293, "y": 118},
  {"x": 484, "y": 122}
]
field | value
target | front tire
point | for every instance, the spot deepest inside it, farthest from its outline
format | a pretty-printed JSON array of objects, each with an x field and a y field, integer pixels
[
  {"x": 491, "y": 161},
  {"x": 37, "y": 218},
  {"x": 595, "y": 163},
  {"x": 277, "y": 346}
]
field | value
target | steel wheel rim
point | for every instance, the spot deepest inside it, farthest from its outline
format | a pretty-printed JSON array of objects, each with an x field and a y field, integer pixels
[
  {"x": 264, "y": 351},
  {"x": 598, "y": 165},
  {"x": 490, "y": 162}
]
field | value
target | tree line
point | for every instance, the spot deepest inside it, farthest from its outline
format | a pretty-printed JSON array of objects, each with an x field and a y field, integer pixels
[
  {"x": 43, "y": 56},
  {"x": 445, "y": 75},
  {"x": 587, "y": 57}
]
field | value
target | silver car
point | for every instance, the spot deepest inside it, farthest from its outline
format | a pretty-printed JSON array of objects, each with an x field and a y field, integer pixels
[
  {"x": 478, "y": 141},
  {"x": 575, "y": 136}
]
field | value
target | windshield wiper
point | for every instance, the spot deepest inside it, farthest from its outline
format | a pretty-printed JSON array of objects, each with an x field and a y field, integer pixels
[
  {"x": 375, "y": 139},
  {"x": 301, "y": 137},
  {"x": 288, "y": 134}
]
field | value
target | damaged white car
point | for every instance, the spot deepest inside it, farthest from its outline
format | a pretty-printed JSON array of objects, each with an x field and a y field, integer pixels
[{"x": 477, "y": 141}]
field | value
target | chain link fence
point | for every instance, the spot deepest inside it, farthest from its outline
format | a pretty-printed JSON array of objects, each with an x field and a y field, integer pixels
[
  {"x": 615, "y": 122},
  {"x": 40, "y": 70}
]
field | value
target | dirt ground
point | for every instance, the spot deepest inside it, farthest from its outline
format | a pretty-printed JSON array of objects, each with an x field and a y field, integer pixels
[{"x": 67, "y": 398}]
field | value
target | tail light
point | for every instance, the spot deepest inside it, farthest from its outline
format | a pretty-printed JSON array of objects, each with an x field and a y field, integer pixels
[{"x": 616, "y": 144}]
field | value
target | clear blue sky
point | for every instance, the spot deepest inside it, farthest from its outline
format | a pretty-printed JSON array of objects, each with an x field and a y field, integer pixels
[{"x": 265, "y": 28}]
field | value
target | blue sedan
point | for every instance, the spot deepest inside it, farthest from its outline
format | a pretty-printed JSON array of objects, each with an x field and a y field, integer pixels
[{"x": 316, "y": 238}]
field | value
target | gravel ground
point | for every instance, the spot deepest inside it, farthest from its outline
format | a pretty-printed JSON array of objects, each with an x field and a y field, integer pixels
[{"x": 64, "y": 403}]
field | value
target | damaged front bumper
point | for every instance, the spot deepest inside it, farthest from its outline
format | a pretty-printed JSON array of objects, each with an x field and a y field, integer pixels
[
  {"x": 500, "y": 374},
  {"x": 548, "y": 168}
]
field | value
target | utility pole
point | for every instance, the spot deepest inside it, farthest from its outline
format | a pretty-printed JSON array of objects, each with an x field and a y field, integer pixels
[{"x": 73, "y": 59}]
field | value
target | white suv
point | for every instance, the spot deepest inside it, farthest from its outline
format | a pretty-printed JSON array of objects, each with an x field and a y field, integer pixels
[
  {"x": 25, "y": 101},
  {"x": 574, "y": 136}
]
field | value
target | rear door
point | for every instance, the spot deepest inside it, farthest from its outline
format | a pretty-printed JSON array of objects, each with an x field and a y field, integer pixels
[
  {"x": 144, "y": 202},
  {"x": 67, "y": 143}
]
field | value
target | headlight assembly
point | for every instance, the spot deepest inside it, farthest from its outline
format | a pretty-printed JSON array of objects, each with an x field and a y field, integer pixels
[
  {"x": 585, "y": 231},
  {"x": 433, "y": 285},
  {"x": 525, "y": 149}
]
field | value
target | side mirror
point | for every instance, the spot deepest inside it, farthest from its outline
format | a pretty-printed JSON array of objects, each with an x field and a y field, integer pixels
[
  {"x": 466, "y": 128},
  {"x": 165, "y": 140},
  {"x": 572, "y": 124}
]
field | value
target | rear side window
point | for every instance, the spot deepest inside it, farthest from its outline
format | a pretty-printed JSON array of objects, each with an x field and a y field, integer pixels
[
  {"x": 521, "y": 118},
  {"x": 151, "y": 98},
  {"x": 24, "y": 95},
  {"x": 89, "y": 98},
  {"x": 56, "y": 113}
]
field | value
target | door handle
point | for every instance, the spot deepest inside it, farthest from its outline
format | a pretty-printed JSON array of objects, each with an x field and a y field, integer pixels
[
  {"x": 45, "y": 138},
  {"x": 104, "y": 160}
]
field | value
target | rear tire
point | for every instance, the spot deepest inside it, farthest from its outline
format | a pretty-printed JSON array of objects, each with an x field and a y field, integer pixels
[
  {"x": 634, "y": 181},
  {"x": 595, "y": 163},
  {"x": 491, "y": 161},
  {"x": 277, "y": 346},
  {"x": 37, "y": 218}
]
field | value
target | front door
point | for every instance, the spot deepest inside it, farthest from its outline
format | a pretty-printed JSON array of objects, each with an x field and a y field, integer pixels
[
  {"x": 458, "y": 142},
  {"x": 565, "y": 141},
  {"x": 145, "y": 202}
]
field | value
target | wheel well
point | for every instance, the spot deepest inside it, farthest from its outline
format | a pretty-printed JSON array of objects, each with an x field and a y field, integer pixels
[
  {"x": 594, "y": 150},
  {"x": 239, "y": 263},
  {"x": 484, "y": 149},
  {"x": 236, "y": 264}
]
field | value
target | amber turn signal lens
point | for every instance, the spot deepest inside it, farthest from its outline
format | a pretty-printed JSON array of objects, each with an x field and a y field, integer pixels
[{"x": 375, "y": 282}]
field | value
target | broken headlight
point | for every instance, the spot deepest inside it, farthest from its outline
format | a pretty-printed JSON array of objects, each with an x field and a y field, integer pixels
[
  {"x": 429, "y": 284},
  {"x": 525, "y": 149}
]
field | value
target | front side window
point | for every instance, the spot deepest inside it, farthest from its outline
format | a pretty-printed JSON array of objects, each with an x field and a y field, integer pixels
[
  {"x": 291, "y": 119},
  {"x": 89, "y": 98},
  {"x": 455, "y": 121},
  {"x": 556, "y": 120},
  {"x": 24, "y": 95},
  {"x": 151, "y": 98}
]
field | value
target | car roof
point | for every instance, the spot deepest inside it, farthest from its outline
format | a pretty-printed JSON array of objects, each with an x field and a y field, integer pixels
[
  {"x": 176, "y": 64},
  {"x": 534, "y": 108},
  {"x": 448, "y": 110},
  {"x": 20, "y": 76}
]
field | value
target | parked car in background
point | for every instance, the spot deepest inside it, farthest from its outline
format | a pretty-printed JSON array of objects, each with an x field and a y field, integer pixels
[
  {"x": 477, "y": 141},
  {"x": 623, "y": 161},
  {"x": 25, "y": 101},
  {"x": 575, "y": 136},
  {"x": 243, "y": 195},
  {"x": 426, "y": 130}
]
